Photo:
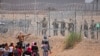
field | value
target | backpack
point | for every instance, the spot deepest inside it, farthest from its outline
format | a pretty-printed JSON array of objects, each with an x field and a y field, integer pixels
[{"x": 46, "y": 43}]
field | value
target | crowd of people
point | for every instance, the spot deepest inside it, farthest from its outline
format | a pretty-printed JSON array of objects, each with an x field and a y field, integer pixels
[
  {"x": 31, "y": 49},
  {"x": 23, "y": 49}
]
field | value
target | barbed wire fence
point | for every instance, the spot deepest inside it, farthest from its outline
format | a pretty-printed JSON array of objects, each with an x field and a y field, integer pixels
[{"x": 26, "y": 20}]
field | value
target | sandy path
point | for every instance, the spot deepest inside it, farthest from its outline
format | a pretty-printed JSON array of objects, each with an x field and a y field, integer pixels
[{"x": 85, "y": 48}]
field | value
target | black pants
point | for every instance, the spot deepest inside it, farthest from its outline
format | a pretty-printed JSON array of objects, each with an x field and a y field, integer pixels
[
  {"x": 20, "y": 44},
  {"x": 35, "y": 53},
  {"x": 10, "y": 54}
]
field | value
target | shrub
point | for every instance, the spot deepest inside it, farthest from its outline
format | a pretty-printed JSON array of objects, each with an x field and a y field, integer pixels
[{"x": 72, "y": 39}]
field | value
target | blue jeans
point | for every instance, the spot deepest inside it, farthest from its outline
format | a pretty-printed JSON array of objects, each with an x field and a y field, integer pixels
[{"x": 45, "y": 53}]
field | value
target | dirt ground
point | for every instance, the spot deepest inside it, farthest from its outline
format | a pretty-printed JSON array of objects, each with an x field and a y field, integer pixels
[{"x": 87, "y": 47}]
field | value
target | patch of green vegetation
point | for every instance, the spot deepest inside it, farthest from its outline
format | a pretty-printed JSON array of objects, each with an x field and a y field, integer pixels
[{"x": 72, "y": 39}]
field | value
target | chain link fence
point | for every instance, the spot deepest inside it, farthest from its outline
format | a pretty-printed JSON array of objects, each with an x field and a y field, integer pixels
[{"x": 30, "y": 21}]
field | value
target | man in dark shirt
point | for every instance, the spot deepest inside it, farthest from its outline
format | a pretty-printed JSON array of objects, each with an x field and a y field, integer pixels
[{"x": 35, "y": 49}]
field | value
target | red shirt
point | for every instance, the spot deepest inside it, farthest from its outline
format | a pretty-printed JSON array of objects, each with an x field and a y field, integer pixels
[{"x": 19, "y": 52}]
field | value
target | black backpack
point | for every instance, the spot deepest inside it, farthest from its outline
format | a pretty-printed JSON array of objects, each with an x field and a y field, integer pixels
[{"x": 45, "y": 41}]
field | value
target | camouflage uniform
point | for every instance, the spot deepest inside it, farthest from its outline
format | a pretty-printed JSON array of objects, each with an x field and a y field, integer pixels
[
  {"x": 63, "y": 27},
  {"x": 85, "y": 29},
  {"x": 92, "y": 29},
  {"x": 55, "y": 26},
  {"x": 44, "y": 26},
  {"x": 71, "y": 26}
]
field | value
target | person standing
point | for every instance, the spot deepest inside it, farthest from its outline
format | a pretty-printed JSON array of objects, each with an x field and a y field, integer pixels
[
  {"x": 55, "y": 27},
  {"x": 6, "y": 50},
  {"x": 28, "y": 51},
  {"x": 85, "y": 29},
  {"x": 35, "y": 49},
  {"x": 63, "y": 28},
  {"x": 11, "y": 48},
  {"x": 45, "y": 46},
  {"x": 21, "y": 38},
  {"x": 92, "y": 29},
  {"x": 2, "y": 46},
  {"x": 71, "y": 26},
  {"x": 44, "y": 26}
]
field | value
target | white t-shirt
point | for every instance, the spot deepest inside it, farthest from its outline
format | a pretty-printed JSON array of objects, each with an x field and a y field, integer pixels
[
  {"x": 6, "y": 50},
  {"x": 11, "y": 49}
]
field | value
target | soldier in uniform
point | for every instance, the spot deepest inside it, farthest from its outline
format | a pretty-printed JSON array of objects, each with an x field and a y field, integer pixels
[
  {"x": 85, "y": 28},
  {"x": 71, "y": 26},
  {"x": 92, "y": 29},
  {"x": 63, "y": 27},
  {"x": 55, "y": 27},
  {"x": 44, "y": 26}
]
